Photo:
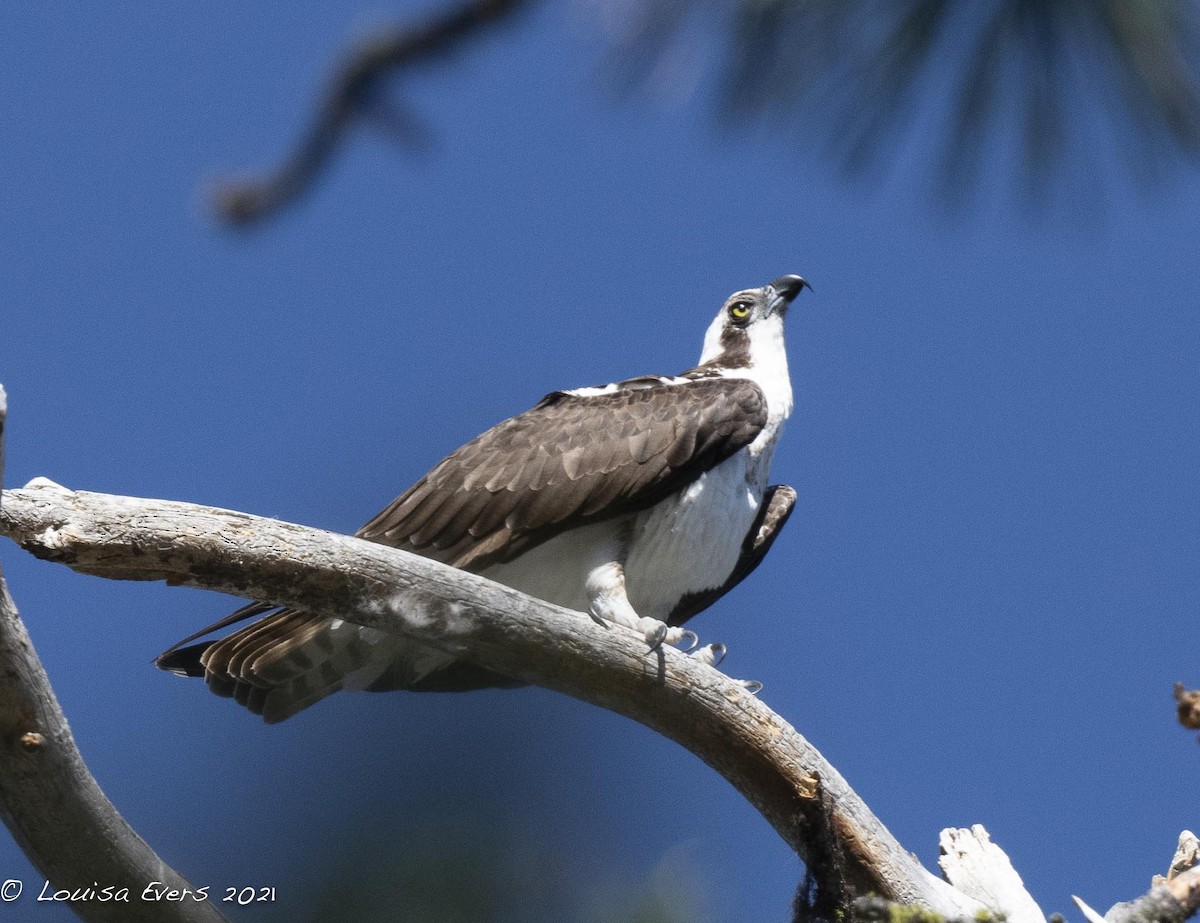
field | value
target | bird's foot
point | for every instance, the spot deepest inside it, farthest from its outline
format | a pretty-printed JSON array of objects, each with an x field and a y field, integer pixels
[
  {"x": 658, "y": 633},
  {"x": 752, "y": 686},
  {"x": 711, "y": 654},
  {"x": 608, "y": 602}
]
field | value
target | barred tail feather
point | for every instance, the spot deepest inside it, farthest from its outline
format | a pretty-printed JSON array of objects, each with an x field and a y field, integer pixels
[{"x": 289, "y": 660}]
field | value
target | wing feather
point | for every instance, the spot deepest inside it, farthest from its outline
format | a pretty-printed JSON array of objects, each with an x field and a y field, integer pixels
[{"x": 594, "y": 456}]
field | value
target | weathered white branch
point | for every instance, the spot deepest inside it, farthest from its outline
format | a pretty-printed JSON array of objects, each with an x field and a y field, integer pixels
[
  {"x": 978, "y": 867},
  {"x": 54, "y": 808},
  {"x": 846, "y": 848}
]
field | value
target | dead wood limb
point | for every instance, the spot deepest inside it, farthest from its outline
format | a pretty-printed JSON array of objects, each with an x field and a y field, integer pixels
[
  {"x": 1171, "y": 899},
  {"x": 1187, "y": 856},
  {"x": 978, "y": 867},
  {"x": 1171, "y": 902},
  {"x": 783, "y": 776},
  {"x": 53, "y": 806}
]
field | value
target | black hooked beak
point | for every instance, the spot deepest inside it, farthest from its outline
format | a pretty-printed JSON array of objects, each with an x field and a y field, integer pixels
[{"x": 783, "y": 291}]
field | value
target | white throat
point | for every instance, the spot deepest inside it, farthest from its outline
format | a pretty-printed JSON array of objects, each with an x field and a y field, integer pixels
[{"x": 767, "y": 368}]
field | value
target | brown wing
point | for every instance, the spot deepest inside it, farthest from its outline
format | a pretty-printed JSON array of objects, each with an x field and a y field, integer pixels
[{"x": 569, "y": 460}]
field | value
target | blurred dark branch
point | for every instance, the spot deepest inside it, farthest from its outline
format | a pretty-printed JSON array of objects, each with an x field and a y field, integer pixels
[
  {"x": 854, "y": 78},
  {"x": 53, "y": 806},
  {"x": 809, "y": 804},
  {"x": 357, "y": 90}
]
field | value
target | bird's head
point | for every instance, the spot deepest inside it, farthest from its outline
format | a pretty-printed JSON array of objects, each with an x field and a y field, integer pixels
[{"x": 749, "y": 326}]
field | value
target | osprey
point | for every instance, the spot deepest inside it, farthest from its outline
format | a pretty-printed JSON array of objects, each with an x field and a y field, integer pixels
[{"x": 640, "y": 502}]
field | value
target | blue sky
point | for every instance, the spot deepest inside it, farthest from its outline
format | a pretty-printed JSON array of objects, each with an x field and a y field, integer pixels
[{"x": 977, "y": 612}]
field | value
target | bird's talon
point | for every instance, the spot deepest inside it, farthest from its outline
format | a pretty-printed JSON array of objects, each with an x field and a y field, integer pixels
[
  {"x": 690, "y": 639},
  {"x": 655, "y": 634},
  {"x": 752, "y": 686},
  {"x": 677, "y": 637},
  {"x": 710, "y": 654}
]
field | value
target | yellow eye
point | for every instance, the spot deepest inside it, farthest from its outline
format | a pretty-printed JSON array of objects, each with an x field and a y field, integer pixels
[{"x": 739, "y": 310}]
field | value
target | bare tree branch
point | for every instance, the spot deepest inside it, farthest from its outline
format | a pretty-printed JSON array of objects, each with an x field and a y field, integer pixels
[
  {"x": 1171, "y": 902},
  {"x": 1185, "y": 888},
  {"x": 847, "y": 850},
  {"x": 55, "y": 809},
  {"x": 978, "y": 867},
  {"x": 1187, "y": 856},
  {"x": 355, "y": 90},
  {"x": 1171, "y": 899}
]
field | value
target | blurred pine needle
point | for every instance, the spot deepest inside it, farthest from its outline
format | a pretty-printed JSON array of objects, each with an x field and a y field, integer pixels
[{"x": 862, "y": 78}]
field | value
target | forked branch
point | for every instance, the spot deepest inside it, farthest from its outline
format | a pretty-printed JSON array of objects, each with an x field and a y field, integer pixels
[
  {"x": 847, "y": 850},
  {"x": 55, "y": 810}
]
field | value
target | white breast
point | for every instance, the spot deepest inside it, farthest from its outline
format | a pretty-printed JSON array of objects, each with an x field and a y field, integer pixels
[
  {"x": 691, "y": 541},
  {"x": 687, "y": 543}
]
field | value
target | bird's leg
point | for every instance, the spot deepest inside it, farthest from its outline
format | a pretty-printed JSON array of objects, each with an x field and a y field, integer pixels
[{"x": 608, "y": 602}]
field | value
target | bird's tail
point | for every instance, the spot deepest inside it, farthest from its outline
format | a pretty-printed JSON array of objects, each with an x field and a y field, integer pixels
[{"x": 288, "y": 660}]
